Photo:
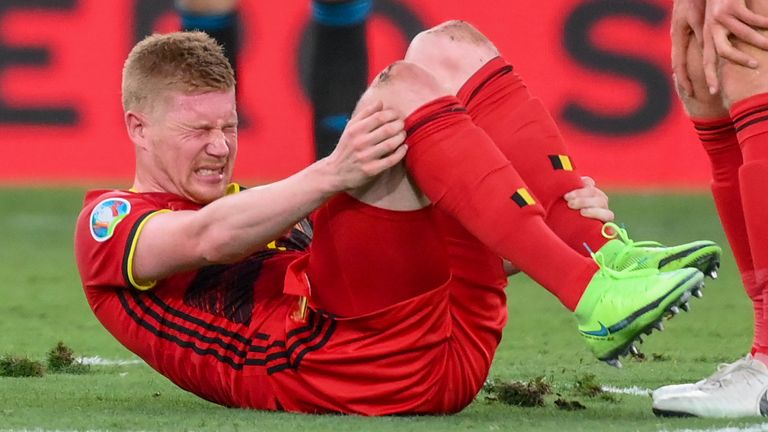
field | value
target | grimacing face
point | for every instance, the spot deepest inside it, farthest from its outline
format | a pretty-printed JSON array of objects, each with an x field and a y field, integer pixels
[{"x": 193, "y": 143}]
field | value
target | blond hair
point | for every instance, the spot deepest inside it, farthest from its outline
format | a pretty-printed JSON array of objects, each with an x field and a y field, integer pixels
[{"x": 181, "y": 61}]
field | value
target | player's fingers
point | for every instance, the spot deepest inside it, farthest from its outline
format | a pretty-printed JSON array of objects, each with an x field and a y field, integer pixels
[
  {"x": 680, "y": 60},
  {"x": 588, "y": 181},
  {"x": 584, "y": 192},
  {"x": 387, "y": 162},
  {"x": 697, "y": 27},
  {"x": 581, "y": 203},
  {"x": 367, "y": 110},
  {"x": 385, "y": 131},
  {"x": 387, "y": 146},
  {"x": 747, "y": 34},
  {"x": 725, "y": 49},
  {"x": 372, "y": 123},
  {"x": 682, "y": 93},
  {"x": 587, "y": 192},
  {"x": 709, "y": 60},
  {"x": 752, "y": 19},
  {"x": 601, "y": 214}
]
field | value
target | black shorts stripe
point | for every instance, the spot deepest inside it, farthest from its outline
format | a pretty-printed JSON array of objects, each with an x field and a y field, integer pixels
[
  {"x": 317, "y": 346},
  {"x": 270, "y": 358},
  {"x": 305, "y": 328},
  {"x": 307, "y": 339},
  {"x": 307, "y": 348},
  {"x": 263, "y": 349},
  {"x": 129, "y": 242}
]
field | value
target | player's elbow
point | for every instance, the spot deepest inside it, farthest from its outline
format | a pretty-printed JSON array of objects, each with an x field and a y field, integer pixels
[{"x": 221, "y": 246}]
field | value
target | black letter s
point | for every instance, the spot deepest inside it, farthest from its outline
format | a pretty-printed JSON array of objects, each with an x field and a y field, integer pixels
[{"x": 654, "y": 81}]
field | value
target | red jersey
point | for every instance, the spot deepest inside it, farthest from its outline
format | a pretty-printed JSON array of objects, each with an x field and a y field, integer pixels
[
  {"x": 232, "y": 333},
  {"x": 196, "y": 327}
]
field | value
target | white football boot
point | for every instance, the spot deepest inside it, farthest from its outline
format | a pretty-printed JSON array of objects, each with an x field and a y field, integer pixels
[
  {"x": 738, "y": 389},
  {"x": 674, "y": 389}
]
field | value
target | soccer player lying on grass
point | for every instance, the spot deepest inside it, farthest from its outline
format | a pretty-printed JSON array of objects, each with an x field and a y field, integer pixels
[
  {"x": 737, "y": 145},
  {"x": 386, "y": 295}
]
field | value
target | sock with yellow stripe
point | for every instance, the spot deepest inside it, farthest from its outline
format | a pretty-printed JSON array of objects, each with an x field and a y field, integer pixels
[{"x": 465, "y": 174}]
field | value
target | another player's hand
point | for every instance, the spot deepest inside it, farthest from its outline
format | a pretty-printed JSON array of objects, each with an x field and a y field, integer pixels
[
  {"x": 372, "y": 142},
  {"x": 687, "y": 24},
  {"x": 590, "y": 201},
  {"x": 725, "y": 19}
]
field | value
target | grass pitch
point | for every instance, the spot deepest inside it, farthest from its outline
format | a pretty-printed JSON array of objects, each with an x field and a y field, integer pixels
[{"x": 41, "y": 303}]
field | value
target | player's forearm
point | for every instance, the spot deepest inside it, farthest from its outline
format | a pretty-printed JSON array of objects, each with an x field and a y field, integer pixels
[{"x": 237, "y": 225}]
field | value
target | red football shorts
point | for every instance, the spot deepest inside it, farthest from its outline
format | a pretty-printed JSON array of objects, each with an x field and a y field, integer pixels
[{"x": 425, "y": 341}]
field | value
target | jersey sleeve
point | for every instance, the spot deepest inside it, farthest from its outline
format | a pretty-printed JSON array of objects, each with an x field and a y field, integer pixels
[{"x": 105, "y": 239}]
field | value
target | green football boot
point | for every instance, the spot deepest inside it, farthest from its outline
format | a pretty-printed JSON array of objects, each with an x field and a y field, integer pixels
[
  {"x": 619, "y": 306},
  {"x": 622, "y": 253}
]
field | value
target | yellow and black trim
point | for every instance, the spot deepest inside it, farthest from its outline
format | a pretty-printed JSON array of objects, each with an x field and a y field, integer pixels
[
  {"x": 130, "y": 250},
  {"x": 523, "y": 198},
  {"x": 234, "y": 188},
  {"x": 561, "y": 162}
]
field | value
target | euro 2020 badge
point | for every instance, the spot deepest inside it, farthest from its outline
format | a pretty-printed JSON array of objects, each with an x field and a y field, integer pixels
[{"x": 105, "y": 217}]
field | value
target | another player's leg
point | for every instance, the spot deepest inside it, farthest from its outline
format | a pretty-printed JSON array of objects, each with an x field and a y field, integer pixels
[
  {"x": 222, "y": 21},
  {"x": 464, "y": 174},
  {"x": 338, "y": 66},
  {"x": 498, "y": 101},
  {"x": 739, "y": 388},
  {"x": 218, "y": 18}
]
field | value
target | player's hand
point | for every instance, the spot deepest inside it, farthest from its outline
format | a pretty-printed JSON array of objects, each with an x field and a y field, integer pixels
[
  {"x": 725, "y": 19},
  {"x": 687, "y": 25},
  {"x": 372, "y": 142},
  {"x": 590, "y": 201},
  {"x": 699, "y": 103}
]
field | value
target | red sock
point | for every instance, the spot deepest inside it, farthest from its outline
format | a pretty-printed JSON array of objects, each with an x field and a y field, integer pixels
[
  {"x": 522, "y": 128},
  {"x": 719, "y": 140},
  {"x": 462, "y": 171},
  {"x": 749, "y": 119}
]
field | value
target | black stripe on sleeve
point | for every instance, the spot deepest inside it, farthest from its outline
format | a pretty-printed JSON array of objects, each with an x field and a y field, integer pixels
[
  {"x": 163, "y": 322},
  {"x": 129, "y": 243},
  {"x": 201, "y": 323},
  {"x": 182, "y": 343}
]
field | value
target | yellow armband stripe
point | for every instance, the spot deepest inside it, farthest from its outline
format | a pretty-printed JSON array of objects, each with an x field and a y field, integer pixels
[
  {"x": 130, "y": 250},
  {"x": 234, "y": 188}
]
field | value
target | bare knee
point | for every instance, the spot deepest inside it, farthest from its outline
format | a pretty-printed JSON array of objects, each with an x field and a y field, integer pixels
[
  {"x": 393, "y": 189},
  {"x": 740, "y": 82},
  {"x": 452, "y": 51},
  {"x": 404, "y": 87}
]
